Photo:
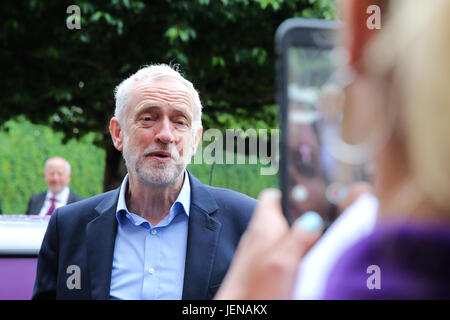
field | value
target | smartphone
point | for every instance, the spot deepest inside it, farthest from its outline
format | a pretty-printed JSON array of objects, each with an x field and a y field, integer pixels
[{"x": 312, "y": 176}]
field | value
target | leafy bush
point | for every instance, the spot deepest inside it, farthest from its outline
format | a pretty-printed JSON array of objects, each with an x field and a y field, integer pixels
[
  {"x": 244, "y": 178},
  {"x": 26, "y": 146}
]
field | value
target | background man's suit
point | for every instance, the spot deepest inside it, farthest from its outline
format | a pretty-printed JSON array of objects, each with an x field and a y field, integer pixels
[
  {"x": 37, "y": 201},
  {"x": 83, "y": 234}
]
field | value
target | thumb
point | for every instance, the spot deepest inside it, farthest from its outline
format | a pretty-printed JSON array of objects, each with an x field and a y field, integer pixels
[
  {"x": 305, "y": 231},
  {"x": 292, "y": 247}
]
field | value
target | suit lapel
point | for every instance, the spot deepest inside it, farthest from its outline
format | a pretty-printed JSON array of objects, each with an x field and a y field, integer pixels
[
  {"x": 39, "y": 203},
  {"x": 101, "y": 234},
  {"x": 203, "y": 235}
]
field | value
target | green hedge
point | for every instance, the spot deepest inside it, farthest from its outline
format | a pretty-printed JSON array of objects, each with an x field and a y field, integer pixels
[
  {"x": 244, "y": 178},
  {"x": 25, "y": 147},
  {"x": 23, "y": 150}
]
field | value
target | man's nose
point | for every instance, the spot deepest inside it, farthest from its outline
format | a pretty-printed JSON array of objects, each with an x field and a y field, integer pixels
[{"x": 164, "y": 133}]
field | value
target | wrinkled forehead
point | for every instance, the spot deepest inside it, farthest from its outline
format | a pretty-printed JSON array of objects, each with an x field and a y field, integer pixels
[{"x": 161, "y": 91}]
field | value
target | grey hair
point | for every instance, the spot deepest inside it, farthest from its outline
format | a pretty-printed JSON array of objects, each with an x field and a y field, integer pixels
[
  {"x": 68, "y": 167},
  {"x": 123, "y": 92}
]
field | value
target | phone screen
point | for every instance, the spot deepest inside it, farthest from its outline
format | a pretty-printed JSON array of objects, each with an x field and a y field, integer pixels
[
  {"x": 315, "y": 177},
  {"x": 308, "y": 164}
]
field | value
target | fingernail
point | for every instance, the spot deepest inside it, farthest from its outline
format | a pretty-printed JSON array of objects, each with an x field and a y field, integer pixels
[{"x": 310, "y": 221}]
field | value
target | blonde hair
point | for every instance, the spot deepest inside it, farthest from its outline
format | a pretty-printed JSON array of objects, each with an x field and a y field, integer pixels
[{"x": 414, "y": 49}]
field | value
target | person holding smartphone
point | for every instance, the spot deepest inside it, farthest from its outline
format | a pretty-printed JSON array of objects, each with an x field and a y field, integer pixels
[{"x": 403, "y": 72}]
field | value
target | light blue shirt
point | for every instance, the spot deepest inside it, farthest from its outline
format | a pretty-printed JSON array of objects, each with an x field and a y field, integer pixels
[{"x": 149, "y": 260}]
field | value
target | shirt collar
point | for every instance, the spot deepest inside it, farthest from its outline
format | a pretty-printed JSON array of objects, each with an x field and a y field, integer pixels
[
  {"x": 183, "y": 202},
  {"x": 62, "y": 196}
]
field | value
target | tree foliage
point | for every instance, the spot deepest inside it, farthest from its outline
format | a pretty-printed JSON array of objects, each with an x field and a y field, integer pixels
[{"x": 66, "y": 78}]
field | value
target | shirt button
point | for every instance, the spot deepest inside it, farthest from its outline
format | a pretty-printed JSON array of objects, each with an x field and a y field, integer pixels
[
  {"x": 151, "y": 270},
  {"x": 154, "y": 232}
]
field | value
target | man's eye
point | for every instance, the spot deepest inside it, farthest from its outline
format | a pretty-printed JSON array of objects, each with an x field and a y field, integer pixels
[
  {"x": 147, "y": 120},
  {"x": 181, "y": 122}
]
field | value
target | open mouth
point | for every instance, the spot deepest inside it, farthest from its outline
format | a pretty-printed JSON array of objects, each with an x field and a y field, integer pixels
[{"x": 161, "y": 156}]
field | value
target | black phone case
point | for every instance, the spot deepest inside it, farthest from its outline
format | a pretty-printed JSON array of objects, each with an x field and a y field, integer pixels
[{"x": 295, "y": 32}]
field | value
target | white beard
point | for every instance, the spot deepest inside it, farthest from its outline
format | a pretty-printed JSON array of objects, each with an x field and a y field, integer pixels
[{"x": 152, "y": 172}]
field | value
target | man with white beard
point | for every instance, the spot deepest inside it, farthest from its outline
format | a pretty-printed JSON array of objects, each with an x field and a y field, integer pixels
[{"x": 161, "y": 235}]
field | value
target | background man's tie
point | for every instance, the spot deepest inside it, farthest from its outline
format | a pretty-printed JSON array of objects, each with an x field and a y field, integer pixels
[{"x": 52, "y": 207}]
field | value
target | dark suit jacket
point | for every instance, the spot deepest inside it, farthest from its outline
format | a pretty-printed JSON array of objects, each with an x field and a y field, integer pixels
[
  {"x": 37, "y": 201},
  {"x": 83, "y": 234}
]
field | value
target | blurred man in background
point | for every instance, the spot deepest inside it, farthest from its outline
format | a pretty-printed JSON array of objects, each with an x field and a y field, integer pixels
[{"x": 57, "y": 175}]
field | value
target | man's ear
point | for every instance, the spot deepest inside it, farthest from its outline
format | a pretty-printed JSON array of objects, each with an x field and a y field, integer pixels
[
  {"x": 197, "y": 138},
  {"x": 116, "y": 133}
]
